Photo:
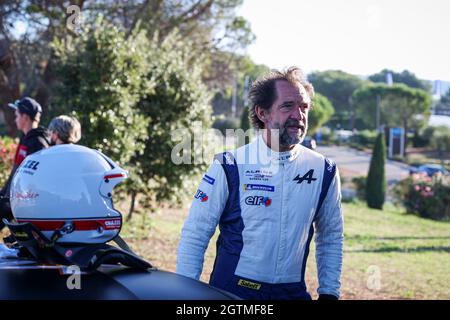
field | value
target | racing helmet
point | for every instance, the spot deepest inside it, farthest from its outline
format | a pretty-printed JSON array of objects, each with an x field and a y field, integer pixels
[{"x": 66, "y": 192}]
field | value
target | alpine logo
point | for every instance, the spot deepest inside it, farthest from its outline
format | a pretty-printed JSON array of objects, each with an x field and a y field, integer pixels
[
  {"x": 201, "y": 196},
  {"x": 258, "y": 201},
  {"x": 308, "y": 177}
]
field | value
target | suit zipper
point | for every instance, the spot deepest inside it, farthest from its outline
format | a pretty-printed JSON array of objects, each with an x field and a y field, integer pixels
[{"x": 281, "y": 218}]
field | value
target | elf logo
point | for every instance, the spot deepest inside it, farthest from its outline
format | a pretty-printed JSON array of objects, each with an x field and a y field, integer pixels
[{"x": 258, "y": 201}]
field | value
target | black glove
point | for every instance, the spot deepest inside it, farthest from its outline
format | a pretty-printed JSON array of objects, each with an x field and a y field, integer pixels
[{"x": 327, "y": 297}]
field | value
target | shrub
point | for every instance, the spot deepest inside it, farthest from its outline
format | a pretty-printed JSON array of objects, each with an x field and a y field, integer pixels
[
  {"x": 7, "y": 152},
  {"x": 429, "y": 197},
  {"x": 327, "y": 136},
  {"x": 320, "y": 113},
  {"x": 376, "y": 179},
  {"x": 245, "y": 120},
  {"x": 130, "y": 95},
  {"x": 441, "y": 140},
  {"x": 364, "y": 138},
  {"x": 423, "y": 137},
  {"x": 360, "y": 187}
]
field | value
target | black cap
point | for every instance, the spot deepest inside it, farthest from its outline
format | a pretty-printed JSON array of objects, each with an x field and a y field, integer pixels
[{"x": 28, "y": 106}]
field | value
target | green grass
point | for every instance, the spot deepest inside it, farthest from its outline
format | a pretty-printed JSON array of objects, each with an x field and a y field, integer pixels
[{"x": 411, "y": 253}]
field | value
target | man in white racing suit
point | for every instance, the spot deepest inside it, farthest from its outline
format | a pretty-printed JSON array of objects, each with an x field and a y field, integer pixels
[{"x": 268, "y": 198}]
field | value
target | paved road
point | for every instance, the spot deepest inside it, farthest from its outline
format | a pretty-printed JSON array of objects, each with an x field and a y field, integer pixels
[{"x": 353, "y": 163}]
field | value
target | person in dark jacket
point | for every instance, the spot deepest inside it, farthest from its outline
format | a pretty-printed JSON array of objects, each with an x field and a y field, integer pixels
[{"x": 28, "y": 115}]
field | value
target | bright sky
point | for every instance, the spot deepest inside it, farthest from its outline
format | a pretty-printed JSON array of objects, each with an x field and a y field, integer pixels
[{"x": 357, "y": 36}]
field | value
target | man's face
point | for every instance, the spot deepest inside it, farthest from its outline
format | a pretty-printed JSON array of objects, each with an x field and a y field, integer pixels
[
  {"x": 21, "y": 120},
  {"x": 289, "y": 113}
]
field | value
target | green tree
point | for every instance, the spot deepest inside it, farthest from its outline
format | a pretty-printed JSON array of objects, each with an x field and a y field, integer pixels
[
  {"x": 130, "y": 94},
  {"x": 400, "y": 106},
  {"x": 445, "y": 99},
  {"x": 338, "y": 87},
  {"x": 245, "y": 68},
  {"x": 440, "y": 141},
  {"x": 245, "y": 120},
  {"x": 101, "y": 76},
  {"x": 376, "y": 179},
  {"x": 178, "y": 101},
  {"x": 443, "y": 105},
  {"x": 320, "y": 113},
  {"x": 212, "y": 27},
  {"x": 406, "y": 77}
]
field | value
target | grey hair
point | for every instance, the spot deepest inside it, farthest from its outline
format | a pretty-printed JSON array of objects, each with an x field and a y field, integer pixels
[{"x": 67, "y": 128}]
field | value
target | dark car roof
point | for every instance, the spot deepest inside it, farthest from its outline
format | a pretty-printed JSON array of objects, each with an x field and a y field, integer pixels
[{"x": 25, "y": 279}]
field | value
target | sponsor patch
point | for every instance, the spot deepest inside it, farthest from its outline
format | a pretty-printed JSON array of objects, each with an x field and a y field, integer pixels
[
  {"x": 228, "y": 159},
  {"x": 258, "y": 175},
  {"x": 21, "y": 154},
  {"x": 201, "y": 196},
  {"x": 113, "y": 224},
  {"x": 259, "y": 187},
  {"x": 258, "y": 201},
  {"x": 209, "y": 179},
  {"x": 249, "y": 284},
  {"x": 330, "y": 165}
]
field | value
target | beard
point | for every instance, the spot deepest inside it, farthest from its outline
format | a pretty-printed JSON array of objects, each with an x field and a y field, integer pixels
[{"x": 290, "y": 138}]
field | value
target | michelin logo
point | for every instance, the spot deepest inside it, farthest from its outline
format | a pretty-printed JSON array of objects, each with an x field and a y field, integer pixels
[{"x": 259, "y": 187}]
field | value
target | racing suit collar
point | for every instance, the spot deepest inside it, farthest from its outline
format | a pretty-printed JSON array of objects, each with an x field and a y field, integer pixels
[{"x": 277, "y": 157}]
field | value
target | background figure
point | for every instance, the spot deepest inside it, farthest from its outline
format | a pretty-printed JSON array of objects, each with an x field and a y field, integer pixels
[
  {"x": 64, "y": 129},
  {"x": 28, "y": 115}
]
